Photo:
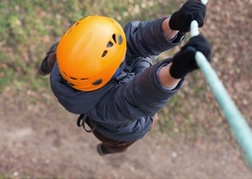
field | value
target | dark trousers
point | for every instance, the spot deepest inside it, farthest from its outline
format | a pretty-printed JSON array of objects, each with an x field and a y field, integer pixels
[{"x": 111, "y": 145}]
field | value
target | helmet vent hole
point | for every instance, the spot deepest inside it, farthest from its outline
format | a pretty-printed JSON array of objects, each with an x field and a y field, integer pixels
[
  {"x": 77, "y": 23},
  {"x": 120, "y": 39},
  {"x": 97, "y": 82},
  {"x": 114, "y": 38},
  {"x": 104, "y": 53},
  {"x": 110, "y": 44},
  {"x": 69, "y": 31},
  {"x": 73, "y": 78},
  {"x": 84, "y": 79},
  {"x": 71, "y": 84}
]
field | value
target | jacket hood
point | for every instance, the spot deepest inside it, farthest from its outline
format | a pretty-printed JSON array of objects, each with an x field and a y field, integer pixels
[{"x": 75, "y": 101}]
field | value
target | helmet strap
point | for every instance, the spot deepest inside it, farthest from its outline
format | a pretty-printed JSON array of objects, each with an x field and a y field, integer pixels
[{"x": 119, "y": 70}]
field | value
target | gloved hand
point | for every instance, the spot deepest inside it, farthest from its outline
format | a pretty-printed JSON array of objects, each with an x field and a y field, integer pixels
[
  {"x": 184, "y": 61},
  {"x": 191, "y": 10}
]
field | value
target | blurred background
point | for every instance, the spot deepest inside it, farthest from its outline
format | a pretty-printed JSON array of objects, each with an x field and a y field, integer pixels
[{"x": 192, "y": 139}]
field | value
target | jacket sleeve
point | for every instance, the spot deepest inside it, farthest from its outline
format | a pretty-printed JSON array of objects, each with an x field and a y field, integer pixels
[
  {"x": 141, "y": 96},
  {"x": 145, "y": 38}
]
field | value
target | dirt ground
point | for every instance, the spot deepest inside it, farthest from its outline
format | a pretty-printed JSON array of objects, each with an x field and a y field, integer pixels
[
  {"x": 39, "y": 139},
  {"x": 43, "y": 141}
]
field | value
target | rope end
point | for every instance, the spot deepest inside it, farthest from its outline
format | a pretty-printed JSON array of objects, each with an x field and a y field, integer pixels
[
  {"x": 194, "y": 28},
  {"x": 204, "y": 1}
]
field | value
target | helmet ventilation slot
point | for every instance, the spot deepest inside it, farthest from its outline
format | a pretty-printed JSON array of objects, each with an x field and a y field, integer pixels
[
  {"x": 114, "y": 38},
  {"x": 97, "y": 82},
  {"x": 120, "y": 39},
  {"x": 104, "y": 53},
  {"x": 73, "y": 78},
  {"x": 71, "y": 84},
  {"x": 110, "y": 44},
  {"x": 77, "y": 23}
]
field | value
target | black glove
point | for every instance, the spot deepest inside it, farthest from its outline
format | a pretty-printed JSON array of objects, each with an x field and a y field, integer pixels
[
  {"x": 191, "y": 10},
  {"x": 184, "y": 61}
]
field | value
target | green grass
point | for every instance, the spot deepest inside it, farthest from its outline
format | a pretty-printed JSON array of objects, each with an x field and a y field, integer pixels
[{"x": 29, "y": 27}]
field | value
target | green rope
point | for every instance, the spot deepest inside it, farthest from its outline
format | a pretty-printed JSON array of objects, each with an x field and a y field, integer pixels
[{"x": 237, "y": 122}]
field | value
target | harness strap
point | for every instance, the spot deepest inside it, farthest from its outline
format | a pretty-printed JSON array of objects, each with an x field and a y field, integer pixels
[{"x": 82, "y": 119}]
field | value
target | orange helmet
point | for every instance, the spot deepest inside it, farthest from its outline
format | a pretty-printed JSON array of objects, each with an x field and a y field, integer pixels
[{"x": 90, "y": 52}]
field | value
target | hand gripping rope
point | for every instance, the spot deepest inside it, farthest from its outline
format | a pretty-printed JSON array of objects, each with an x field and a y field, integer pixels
[{"x": 238, "y": 124}]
